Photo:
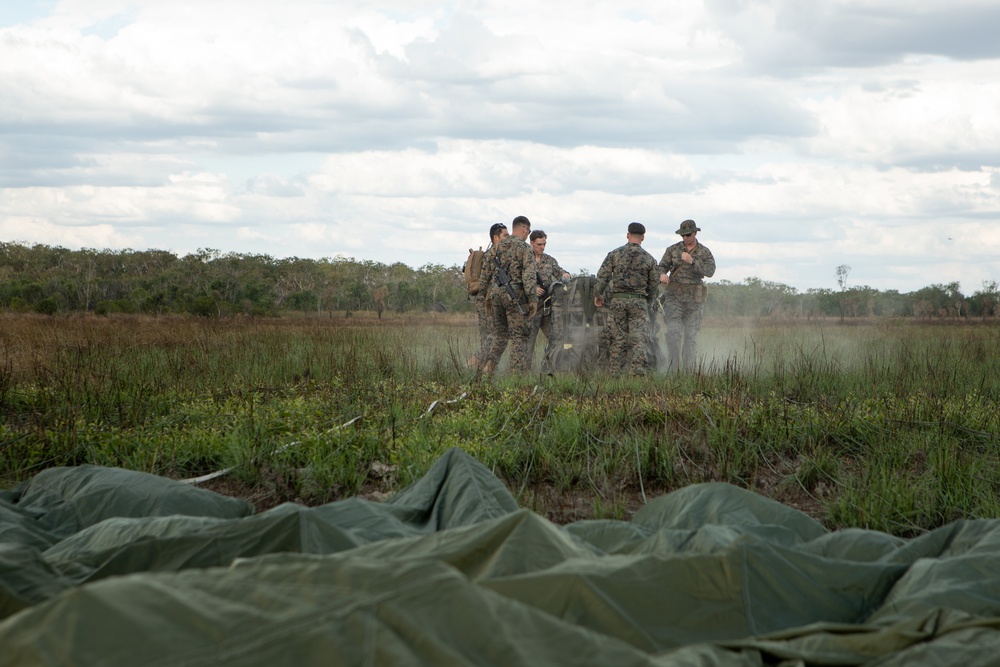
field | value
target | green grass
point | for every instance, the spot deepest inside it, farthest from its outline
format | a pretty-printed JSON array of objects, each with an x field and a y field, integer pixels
[{"x": 891, "y": 425}]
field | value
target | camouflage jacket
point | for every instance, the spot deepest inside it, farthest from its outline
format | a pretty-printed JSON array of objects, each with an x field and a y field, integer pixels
[
  {"x": 682, "y": 273},
  {"x": 629, "y": 270},
  {"x": 548, "y": 270},
  {"x": 519, "y": 259}
]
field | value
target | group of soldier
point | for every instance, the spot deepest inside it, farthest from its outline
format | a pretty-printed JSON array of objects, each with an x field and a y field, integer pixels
[{"x": 517, "y": 279}]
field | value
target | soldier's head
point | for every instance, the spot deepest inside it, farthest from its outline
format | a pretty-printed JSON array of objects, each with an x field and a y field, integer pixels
[
  {"x": 636, "y": 232},
  {"x": 538, "y": 239},
  {"x": 498, "y": 232},
  {"x": 521, "y": 227},
  {"x": 688, "y": 228}
]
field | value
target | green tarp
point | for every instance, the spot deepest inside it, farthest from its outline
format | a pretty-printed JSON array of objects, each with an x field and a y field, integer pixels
[{"x": 110, "y": 567}]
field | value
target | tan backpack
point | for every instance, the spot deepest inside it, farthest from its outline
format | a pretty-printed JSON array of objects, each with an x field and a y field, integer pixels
[{"x": 473, "y": 268}]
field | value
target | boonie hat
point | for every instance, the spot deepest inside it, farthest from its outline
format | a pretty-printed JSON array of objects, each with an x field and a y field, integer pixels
[
  {"x": 636, "y": 228},
  {"x": 688, "y": 227}
]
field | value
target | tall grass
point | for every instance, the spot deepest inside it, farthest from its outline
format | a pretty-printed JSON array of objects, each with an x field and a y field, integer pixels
[{"x": 891, "y": 426}]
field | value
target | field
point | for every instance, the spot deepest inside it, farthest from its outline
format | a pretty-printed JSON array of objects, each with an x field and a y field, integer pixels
[{"x": 886, "y": 424}]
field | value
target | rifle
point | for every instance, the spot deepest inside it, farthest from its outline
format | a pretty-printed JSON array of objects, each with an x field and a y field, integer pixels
[{"x": 502, "y": 278}]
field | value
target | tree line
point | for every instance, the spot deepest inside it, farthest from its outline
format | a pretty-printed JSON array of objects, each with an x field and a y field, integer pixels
[
  {"x": 47, "y": 279},
  {"x": 208, "y": 282},
  {"x": 761, "y": 298}
]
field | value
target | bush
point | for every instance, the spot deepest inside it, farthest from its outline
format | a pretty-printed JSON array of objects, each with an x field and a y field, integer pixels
[
  {"x": 204, "y": 306},
  {"x": 106, "y": 307},
  {"x": 116, "y": 306},
  {"x": 47, "y": 306},
  {"x": 19, "y": 305}
]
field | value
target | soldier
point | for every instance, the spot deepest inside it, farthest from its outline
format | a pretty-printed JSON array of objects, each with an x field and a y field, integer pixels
[
  {"x": 515, "y": 303},
  {"x": 498, "y": 232},
  {"x": 684, "y": 265},
  {"x": 548, "y": 272},
  {"x": 633, "y": 277}
]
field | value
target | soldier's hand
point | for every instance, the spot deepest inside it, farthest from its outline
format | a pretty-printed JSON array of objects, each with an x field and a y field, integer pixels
[
  {"x": 532, "y": 309},
  {"x": 665, "y": 279},
  {"x": 686, "y": 256},
  {"x": 599, "y": 301},
  {"x": 539, "y": 291}
]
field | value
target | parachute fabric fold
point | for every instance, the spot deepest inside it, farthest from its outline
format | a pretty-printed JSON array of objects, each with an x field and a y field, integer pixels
[{"x": 451, "y": 571}]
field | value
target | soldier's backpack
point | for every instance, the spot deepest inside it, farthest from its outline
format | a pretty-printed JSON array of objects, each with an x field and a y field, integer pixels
[{"x": 473, "y": 267}]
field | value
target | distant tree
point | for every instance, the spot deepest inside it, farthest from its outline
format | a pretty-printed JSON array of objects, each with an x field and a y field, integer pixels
[
  {"x": 723, "y": 299},
  {"x": 303, "y": 301},
  {"x": 938, "y": 301},
  {"x": 198, "y": 280},
  {"x": 752, "y": 298},
  {"x": 890, "y": 303},
  {"x": 986, "y": 302},
  {"x": 298, "y": 277},
  {"x": 380, "y": 295},
  {"x": 842, "y": 272},
  {"x": 85, "y": 266},
  {"x": 820, "y": 302},
  {"x": 770, "y": 297}
]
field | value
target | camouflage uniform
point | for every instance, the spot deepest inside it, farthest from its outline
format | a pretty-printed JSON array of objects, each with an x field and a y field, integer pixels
[
  {"x": 549, "y": 272},
  {"x": 486, "y": 327},
  {"x": 509, "y": 324},
  {"x": 633, "y": 276},
  {"x": 683, "y": 301}
]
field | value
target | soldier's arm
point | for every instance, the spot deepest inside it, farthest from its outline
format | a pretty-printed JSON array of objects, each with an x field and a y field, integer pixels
[
  {"x": 666, "y": 262},
  {"x": 704, "y": 263},
  {"x": 528, "y": 277},
  {"x": 603, "y": 275},
  {"x": 652, "y": 281},
  {"x": 603, "y": 278}
]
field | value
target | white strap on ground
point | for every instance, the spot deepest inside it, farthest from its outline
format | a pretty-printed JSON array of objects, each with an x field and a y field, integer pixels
[{"x": 219, "y": 473}]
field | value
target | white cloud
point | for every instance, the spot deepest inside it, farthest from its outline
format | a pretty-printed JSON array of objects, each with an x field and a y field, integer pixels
[
  {"x": 201, "y": 197},
  {"x": 34, "y": 230},
  {"x": 463, "y": 168},
  {"x": 933, "y": 113},
  {"x": 398, "y": 131}
]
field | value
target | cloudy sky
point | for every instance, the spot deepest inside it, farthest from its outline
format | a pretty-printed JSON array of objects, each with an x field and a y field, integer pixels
[{"x": 800, "y": 134}]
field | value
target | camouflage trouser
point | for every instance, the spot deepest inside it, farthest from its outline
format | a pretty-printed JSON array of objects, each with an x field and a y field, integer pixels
[
  {"x": 552, "y": 326},
  {"x": 629, "y": 324},
  {"x": 485, "y": 328},
  {"x": 510, "y": 325},
  {"x": 682, "y": 310}
]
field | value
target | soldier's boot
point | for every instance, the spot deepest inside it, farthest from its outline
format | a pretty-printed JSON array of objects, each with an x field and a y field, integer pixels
[
  {"x": 473, "y": 362},
  {"x": 488, "y": 367}
]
